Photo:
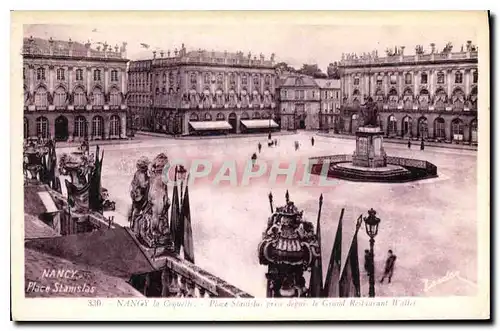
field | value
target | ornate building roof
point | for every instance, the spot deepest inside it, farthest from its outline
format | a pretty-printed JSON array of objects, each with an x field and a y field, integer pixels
[
  {"x": 299, "y": 81},
  {"x": 328, "y": 83},
  {"x": 43, "y": 45}
]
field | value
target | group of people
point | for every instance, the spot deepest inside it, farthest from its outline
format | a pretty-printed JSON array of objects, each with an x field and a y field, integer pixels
[
  {"x": 389, "y": 265},
  {"x": 422, "y": 145}
]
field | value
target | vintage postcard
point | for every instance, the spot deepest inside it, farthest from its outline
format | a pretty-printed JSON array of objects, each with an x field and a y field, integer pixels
[{"x": 186, "y": 166}]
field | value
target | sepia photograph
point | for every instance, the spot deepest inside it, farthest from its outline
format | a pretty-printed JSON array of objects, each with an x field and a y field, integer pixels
[{"x": 267, "y": 160}]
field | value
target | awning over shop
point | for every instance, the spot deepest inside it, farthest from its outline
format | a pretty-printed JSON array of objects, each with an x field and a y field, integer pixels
[
  {"x": 259, "y": 124},
  {"x": 210, "y": 125}
]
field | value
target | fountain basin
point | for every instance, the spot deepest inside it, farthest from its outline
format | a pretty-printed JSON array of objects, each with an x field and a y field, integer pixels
[{"x": 397, "y": 169}]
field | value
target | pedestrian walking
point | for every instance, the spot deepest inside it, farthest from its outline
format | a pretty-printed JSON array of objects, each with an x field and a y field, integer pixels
[
  {"x": 254, "y": 159},
  {"x": 409, "y": 144},
  {"x": 259, "y": 146},
  {"x": 275, "y": 142},
  {"x": 422, "y": 145},
  {"x": 296, "y": 145},
  {"x": 269, "y": 136},
  {"x": 312, "y": 141},
  {"x": 389, "y": 266}
]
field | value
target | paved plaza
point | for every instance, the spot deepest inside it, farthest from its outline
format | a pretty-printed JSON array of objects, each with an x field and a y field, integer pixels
[{"x": 430, "y": 225}]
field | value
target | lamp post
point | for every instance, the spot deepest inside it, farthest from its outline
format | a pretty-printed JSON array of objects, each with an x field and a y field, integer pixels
[{"x": 371, "y": 223}]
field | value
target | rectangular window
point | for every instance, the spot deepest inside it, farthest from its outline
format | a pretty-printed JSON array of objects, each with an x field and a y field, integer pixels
[
  {"x": 393, "y": 80},
  {"x": 474, "y": 77},
  {"x": 379, "y": 80},
  {"x": 97, "y": 75},
  {"x": 114, "y": 76},
  {"x": 356, "y": 81}
]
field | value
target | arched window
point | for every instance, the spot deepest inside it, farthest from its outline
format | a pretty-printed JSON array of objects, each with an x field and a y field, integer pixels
[
  {"x": 440, "y": 78},
  {"x": 79, "y": 98},
  {"x": 208, "y": 117},
  {"x": 245, "y": 116},
  {"x": 42, "y": 127},
  {"x": 439, "y": 132},
  {"x": 458, "y": 77},
  {"x": 114, "y": 75},
  {"x": 98, "y": 127},
  {"x": 26, "y": 128},
  {"x": 473, "y": 131},
  {"x": 392, "y": 125},
  {"x": 220, "y": 117},
  {"x": 256, "y": 115},
  {"x": 60, "y": 74},
  {"x": 406, "y": 126},
  {"x": 60, "y": 97},
  {"x": 457, "y": 129},
  {"x": 80, "y": 127},
  {"x": 408, "y": 78},
  {"x": 41, "y": 97},
  {"x": 97, "y": 97},
  {"x": 97, "y": 75},
  {"x": 79, "y": 74},
  {"x": 40, "y": 73},
  {"x": 193, "y": 117},
  {"x": 423, "y": 78},
  {"x": 115, "y": 98},
  {"x": 114, "y": 126}
]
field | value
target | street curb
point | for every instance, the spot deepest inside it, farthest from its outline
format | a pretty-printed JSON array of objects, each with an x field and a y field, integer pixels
[
  {"x": 257, "y": 135},
  {"x": 404, "y": 142}
]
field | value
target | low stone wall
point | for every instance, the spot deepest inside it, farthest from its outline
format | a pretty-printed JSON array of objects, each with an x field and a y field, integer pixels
[{"x": 417, "y": 169}]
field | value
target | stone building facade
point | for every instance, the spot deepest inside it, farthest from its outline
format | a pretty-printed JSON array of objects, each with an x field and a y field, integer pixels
[
  {"x": 426, "y": 95},
  {"x": 308, "y": 103},
  {"x": 201, "y": 91},
  {"x": 73, "y": 92}
]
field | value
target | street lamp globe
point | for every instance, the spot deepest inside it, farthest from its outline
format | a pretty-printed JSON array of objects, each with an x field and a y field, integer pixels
[{"x": 371, "y": 223}]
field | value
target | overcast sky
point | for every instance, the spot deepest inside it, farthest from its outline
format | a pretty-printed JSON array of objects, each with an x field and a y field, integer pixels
[{"x": 295, "y": 44}]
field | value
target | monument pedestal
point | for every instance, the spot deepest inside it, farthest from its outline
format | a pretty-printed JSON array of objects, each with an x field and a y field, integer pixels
[{"x": 369, "y": 151}]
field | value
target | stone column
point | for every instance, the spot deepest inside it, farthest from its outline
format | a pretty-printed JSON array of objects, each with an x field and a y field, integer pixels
[
  {"x": 432, "y": 83},
  {"x": 106, "y": 124},
  {"x": 385, "y": 82},
  {"x": 106, "y": 80},
  {"x": 415, "y": 82},
  {"x": 467, "y": 79},
  {"x": 31, "y": 78},
  {"x": 449, "y": 82},
  {"x": 88, "y": 76},
  {"x": 400, "y": 83},
  {"x": 123, "y": 126},
  {"x": 71, "y": 126},
  {"x": 123, "y": 80},
  {"x": 51, "y": 79},
  {"x": 238, "y": 119}
]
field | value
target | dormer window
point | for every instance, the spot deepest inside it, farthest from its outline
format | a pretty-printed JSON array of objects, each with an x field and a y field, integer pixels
[{"x": 299, "y": 81}]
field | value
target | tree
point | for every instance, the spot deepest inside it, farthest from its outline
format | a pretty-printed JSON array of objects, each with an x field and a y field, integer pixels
[
  {"x": 284, "y": 68},
  {"x": 333, "y": 71},
  {"x": 310, "y": 70}
]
